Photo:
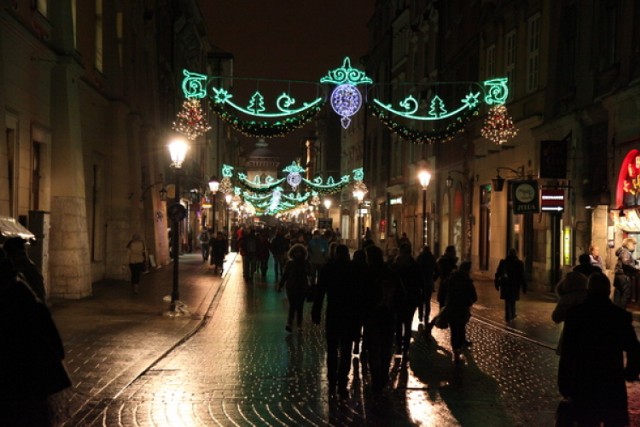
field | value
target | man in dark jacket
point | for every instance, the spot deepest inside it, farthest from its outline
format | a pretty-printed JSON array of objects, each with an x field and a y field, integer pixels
[
  {"x": 427, "y": 262},
  {"x": 509, "y": 280},
  {"x": 339, "y": 282},
  {"x": 591, "y": 371},
  {"x": 625, "y": 270},
  {"x": 411, "y": 276}
]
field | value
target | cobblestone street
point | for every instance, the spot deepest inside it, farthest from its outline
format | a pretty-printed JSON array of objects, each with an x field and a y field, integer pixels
[{"x": 239, "y": 367}]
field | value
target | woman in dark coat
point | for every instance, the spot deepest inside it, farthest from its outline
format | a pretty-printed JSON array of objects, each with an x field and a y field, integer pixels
[
  {"x": 338, "y": 280},
  {"x": 218, "y": 251},
  {"x": 295, "y": 278},
  {"x": 460, "y": 297},
  {"x": 509, "y": 280},
  {"x": 592, "y": 369}
]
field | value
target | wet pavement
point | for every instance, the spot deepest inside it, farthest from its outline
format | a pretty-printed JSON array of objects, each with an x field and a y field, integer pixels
[{"x": 231, "y": 362}]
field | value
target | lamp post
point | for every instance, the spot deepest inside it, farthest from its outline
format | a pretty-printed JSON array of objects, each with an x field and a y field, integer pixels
[
  {"x": 214, "y": 185},
  {"x": 178, "y": 150},
  {"x": 359, "y": 193},
  {"x": 424, "y": 176},
  {"x": 228, "y": 198}
]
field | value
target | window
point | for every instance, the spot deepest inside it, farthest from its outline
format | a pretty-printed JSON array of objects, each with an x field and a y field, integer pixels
[
  {"x": 42, "y": 6},
  {"x": 119, "y": 32},
  {"x": 490, "y": 62},
  {"x": 99, "y": 39},
  {"x": 36, "y": 174},
  {"x": 510, "y": 60},
  {"x": 74, "y": 19},
  {"x": 608, "y": 30},
  {"x": 533, "y": 53}
]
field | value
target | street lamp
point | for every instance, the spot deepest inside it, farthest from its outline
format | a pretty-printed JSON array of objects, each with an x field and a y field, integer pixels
[
  {"x": 178, "y": 151},
  {"x": 214, "y": 185},
  {"x": 358, "y": 192},
  {"x": 228, "y": 198},
  {"x": 327, "y": 204},
  {"x": 424, "y": 176}
]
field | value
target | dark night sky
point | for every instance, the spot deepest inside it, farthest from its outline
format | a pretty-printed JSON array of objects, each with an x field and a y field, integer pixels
[{"x": 289, "y": 40}]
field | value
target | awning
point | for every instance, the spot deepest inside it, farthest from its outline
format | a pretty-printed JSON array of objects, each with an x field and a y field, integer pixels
[{"x": 9, "y": 227}]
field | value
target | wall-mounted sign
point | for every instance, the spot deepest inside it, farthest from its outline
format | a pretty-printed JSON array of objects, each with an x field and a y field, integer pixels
[
  {"x": 552, "y": 200},
  {"x": 396, "y": 201},
  {"x": 524, "y": 195}
]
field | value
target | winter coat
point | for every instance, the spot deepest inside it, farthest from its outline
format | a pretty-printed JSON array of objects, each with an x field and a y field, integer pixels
[
  {"x": 295, "y": 277},
  {"x": 461, "y": 295},
  {"x": 427, "y": 263},
  {"x": 411, "y": 275},
  {"x": 591, "y": 369},
  {"x": 338, "y": 280},
  {"x": 513, "y": 269},
  {"x": 383, "y": 294}
]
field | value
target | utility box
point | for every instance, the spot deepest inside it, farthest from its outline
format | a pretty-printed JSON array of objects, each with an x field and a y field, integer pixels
[{"x": 39, "y": 223}]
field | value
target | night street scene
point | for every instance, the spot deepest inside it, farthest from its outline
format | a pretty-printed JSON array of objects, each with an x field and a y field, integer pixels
[{"x": 320, "y": 213}]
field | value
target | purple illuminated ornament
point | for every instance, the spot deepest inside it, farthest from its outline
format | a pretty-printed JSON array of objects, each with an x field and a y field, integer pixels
[{"x": 346, "y": 101}]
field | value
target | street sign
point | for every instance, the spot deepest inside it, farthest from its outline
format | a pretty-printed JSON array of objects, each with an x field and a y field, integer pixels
[
  {"x": 524, "y": 195},
  {"x": 552, "y": 200}
]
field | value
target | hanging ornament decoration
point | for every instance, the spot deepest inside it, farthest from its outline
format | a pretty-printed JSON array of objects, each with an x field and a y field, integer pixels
[
  {"x": 190, "y": 120},
  {"x": 498, "y": 126},
  {"x": 346, "y": 99},
  {"x": 294, "y": 178}
]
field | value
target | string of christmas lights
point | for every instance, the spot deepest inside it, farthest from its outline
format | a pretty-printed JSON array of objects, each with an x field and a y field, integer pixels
[
  {"x": 190, "y": 120},
  {"x": 498, "y": 126}
]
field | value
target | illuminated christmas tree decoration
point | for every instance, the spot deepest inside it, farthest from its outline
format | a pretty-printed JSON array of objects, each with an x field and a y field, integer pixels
[
  {"x": 498, "y": 126},
  {"x": 190, "y": 120}
]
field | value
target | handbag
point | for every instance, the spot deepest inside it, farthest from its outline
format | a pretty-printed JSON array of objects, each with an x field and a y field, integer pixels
[{"x": 441, "y": 320}]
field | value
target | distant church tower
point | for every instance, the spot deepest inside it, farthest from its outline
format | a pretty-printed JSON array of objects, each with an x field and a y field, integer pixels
[{"x": 262, "y": 162}]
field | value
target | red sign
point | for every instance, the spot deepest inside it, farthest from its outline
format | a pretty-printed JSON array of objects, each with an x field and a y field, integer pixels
[{"x": 552, "y": 200}]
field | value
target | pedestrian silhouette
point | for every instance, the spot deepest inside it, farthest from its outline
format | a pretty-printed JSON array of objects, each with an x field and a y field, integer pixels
[
  {"x": 591, "y": 371},
  {"x": 15, "y": 249},
  {"x": 572, "y": 290},
  {"x": 137, "y": 260},
  {"x": 31, "y": 366},
  {"x": 339, "y": 282},
  {"x": 411, "y": 276},
  {"x": 585, "y": 266},
  {"x": 509, "y": 280},
  {"x": 460, "y": 296},
  {"x": 295, "y": 279},
  {"x": 427, "y": 262},
  {"x": 383, "y": 296}
]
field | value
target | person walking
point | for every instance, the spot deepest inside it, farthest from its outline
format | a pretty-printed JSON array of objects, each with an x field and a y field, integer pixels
[
  {"x": 591, "y": 371},
  {"x": 248, "y": 245},
  {"x": 31, "y": 367},
  {"x": 262, "y": 252},
  {"x": 218, "y": 248},
  {"x": 137, "y": 260},
  {"x": 509, "y": 279},
  {"x": 461, "y": 295},
  {"x": 383, "y": 296},
  {"x": 338, "y": 281},
  {"x": 445, "y": 266},
  {"x": 295, "y": 279},
  {"x": 409, "y": 272},
  {"x": 279, "y": 249},
  {"x": 427, "y": 262},
  {"x": 204, "y": 237},
  {"x": 318, "y": 254},
  {"x": 360, "y": 270},
  {"x": 390, "y": 248},
  {"x": 585, "y": 266},
  {"x": 15, "y": 249},
  {"x": 571, "y": 291},
  {"x": 625, "y": 271}
]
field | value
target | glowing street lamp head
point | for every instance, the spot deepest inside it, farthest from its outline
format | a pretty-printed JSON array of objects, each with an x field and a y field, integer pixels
[
  {"x": 358, "y": 194},
  {"x": 214, "y": 184},
  {"x": 424, "y": 176},
  {"x": 228, "y": 198},
  {"x": 327, "y": 203},
  {"x": 178, "y": 150}
]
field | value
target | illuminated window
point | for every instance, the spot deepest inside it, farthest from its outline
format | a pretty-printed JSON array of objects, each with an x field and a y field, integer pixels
[
  {"x": 99, "y": 39},
  {"x": 533, "y": 52},
  {"x": 75, "y": 23},
  {"x": 490, "y": 62},
  {"x": 510, "y": 60}
]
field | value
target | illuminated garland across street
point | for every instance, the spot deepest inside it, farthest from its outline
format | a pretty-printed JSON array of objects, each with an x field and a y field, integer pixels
[
  {"x": 346, "y": 99},
  {"x": 268, "y": 197}
]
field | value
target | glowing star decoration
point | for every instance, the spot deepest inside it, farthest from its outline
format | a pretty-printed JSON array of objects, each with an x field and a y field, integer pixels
[
  {"x": 498, "y": 126},
  {"x": 346, "y": 99}
]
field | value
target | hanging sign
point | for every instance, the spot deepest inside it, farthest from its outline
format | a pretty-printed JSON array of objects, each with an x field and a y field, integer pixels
[
  {"x": 524, "y": 195},
  {"x": 552, "y": 200}
]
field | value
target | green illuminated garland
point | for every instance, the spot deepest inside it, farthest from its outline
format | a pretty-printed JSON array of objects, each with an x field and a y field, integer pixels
[{"x": 266, "y": 129}]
